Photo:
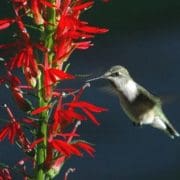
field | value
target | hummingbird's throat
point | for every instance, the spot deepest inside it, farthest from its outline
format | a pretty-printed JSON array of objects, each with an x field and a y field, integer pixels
[{"x": 129, "y": 89}]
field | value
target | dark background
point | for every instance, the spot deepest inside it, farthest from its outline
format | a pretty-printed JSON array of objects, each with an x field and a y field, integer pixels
[{"x": 144, "y": 37}]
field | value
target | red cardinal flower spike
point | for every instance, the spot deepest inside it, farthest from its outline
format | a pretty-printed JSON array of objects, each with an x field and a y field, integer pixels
[{"x": 41, "y": 36}]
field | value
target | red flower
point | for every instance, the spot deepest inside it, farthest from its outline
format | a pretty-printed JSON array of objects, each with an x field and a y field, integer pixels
[
  {"x": 68, "y": 149},
  {"x": 17, "y": 93},
  {"x": 61, "y": 32},
  {"x": 58, "y": 163},
  {"x": 24, "y": 143},
  {"x": 62, "y": 118},
  {"x": 64, "y": 148},
  {"x": 82, "y": 6},
  {"x": 83, "y": 44},
  {"x": 23, "y": 103},
  {"x": 40, "y": 109},
  {"x": 15, "y": 87},
  {"x": 10, "y": 130},
  {"x": 36, "y": 12},
  {"x": 85, "y": 146},
  {"x": 87, "y": 108},
  {"x": 51, "y": 76},
  {"x": 13, "y": 131},
  {"x": 72, "y": 27},
  {"x": 36, "y": 7},
  {"x": 5, "y": 174},
  {"x": 30, "y": 77},
  {"x": 71, "y": 31},
  {"x": 62, "y": 49},
  {"x": 83, "y": 27},
  {"x": 56, "y": 75},
  {"x": 25, "y": 59},
  {"x": 5, "y": 23}
]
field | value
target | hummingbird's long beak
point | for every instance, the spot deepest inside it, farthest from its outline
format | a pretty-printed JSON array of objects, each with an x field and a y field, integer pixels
[{"x": 97, "y": 78}]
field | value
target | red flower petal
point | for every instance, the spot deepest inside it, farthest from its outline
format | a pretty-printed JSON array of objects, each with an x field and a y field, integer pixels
[
  {"x": 86, "y": 147},
  {"x": 68, "y": 135},
  {"x": 20, "y": 100},
  {"x": 36, "y": 12},
  {"x": 60, "y": 75},
  {"x": 25, "y": 59},
  {"x": 5, "y": 173},
  {"x": 83, "y": 44},
  {"x": 34, "y": 143},
  {"x": 58, "y": 163},
  {"x": 91, "y": 116},
  {"x": 65, "y": 148},
  {"x": 88, "y": 106},
  {"x": 40, "y": 109},
  {"x": 3, "y": 133},
  {"x": 83, "y": 6},
  {"x": 65, "y": 5},
  {"x": 92, "y": 29},
  {"x": 71, "y": 115},
  {"x": 58, "y": 3},
  {"x": 30, "y": 121},
  {"x": 11, "y": 130},
  {"x": 5, "y": 23}
]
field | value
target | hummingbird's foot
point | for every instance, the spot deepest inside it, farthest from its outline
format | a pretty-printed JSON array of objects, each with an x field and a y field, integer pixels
[{"x": 135, "y": 124}]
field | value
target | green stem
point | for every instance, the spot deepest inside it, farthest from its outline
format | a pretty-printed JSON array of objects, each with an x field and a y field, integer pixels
[
  {"x": 41, "y": 151},
  {"x": 42, "y": 132},
  {"x": 49, "y": 31}
]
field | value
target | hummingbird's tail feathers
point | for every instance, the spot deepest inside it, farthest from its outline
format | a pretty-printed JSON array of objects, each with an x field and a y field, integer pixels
[
  {"x": 171, "y": 131},
  {"x": 163, "y": 124}
]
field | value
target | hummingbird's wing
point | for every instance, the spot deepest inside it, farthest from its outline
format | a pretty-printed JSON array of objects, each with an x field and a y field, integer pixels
[
  {"x": 163, "y": 98},
  {"x": 152, "y": 97},
  {"x": 108, "y": 90},
  {"x": 169, "y": 98}
]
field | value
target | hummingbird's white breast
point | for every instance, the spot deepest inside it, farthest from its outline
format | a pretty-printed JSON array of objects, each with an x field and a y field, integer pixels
[{"x": 129, "y": 89}]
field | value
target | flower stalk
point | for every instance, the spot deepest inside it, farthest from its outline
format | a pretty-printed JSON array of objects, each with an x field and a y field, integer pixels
[
  {"x": 41, "y": 150},
  {"x": 51, "y": 118},
  {"x": 47, "y": 38}
]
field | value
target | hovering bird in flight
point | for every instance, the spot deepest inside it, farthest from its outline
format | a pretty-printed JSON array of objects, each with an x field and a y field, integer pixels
[{"x": 139, "y": 104}]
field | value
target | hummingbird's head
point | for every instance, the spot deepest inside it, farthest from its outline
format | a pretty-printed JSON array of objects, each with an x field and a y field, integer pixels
[
  {"x": 118, "y": 76},
  {"x": 121, "y": 80},
  {"x": 117, "y": 73}
]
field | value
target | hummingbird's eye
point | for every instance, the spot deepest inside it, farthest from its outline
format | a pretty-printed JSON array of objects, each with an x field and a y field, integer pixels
[{"x": 116, "y": 74}]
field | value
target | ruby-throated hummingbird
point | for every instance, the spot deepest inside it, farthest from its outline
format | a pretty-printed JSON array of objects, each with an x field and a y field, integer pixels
[{"x": 140, "y": 105}]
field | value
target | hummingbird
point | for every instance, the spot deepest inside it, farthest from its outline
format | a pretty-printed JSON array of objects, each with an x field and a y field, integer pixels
[{"x": 142, "y": 107}]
